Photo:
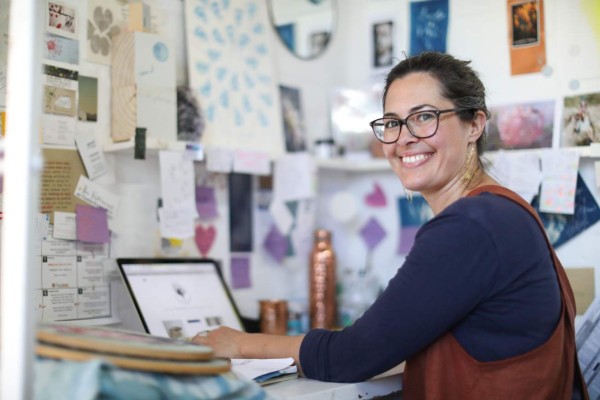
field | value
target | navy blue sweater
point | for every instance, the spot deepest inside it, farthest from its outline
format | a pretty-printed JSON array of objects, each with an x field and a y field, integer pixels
[{"x": 481, "y": 269}]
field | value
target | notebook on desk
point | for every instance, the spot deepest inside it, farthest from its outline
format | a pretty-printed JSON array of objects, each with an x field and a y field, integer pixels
[{"x": 178, "y": 298}]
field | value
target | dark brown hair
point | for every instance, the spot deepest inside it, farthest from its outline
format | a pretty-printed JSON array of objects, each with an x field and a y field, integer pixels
[{"x": 459, "y": 82}]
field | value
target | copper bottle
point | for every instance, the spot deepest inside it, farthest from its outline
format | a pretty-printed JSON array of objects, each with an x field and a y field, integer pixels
[{"x": 322, "y": 282}]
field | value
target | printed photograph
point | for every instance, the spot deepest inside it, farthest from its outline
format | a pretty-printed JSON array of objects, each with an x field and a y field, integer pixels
[
  {"x": 525, "y": 28},
  {"x": 318, "y": 42},
  {"x": 383, "y": 44},
  {"x": 581, "y": 120},
  {"x": 520, "y": 126},
  {"x": 293, "y": 120},
  {"x": 88, "y": 99},
  {"x": 62, "y": 20}
]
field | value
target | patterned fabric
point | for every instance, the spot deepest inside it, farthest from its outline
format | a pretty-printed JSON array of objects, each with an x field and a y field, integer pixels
[{"x": 97, "y": 379}]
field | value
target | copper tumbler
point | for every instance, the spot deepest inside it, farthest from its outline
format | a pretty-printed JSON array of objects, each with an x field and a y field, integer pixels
[{"x": 273, "y": 316}]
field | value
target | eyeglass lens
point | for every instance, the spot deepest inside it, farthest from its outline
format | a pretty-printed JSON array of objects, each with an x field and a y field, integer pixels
[{"x": 422, "y": 124}]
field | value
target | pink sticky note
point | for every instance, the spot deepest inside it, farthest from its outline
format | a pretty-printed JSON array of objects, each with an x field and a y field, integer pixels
[
  {"x": 376, "y": 198},
  {"x": 92, "y": 224},
  {"x": 240, "y": 272}
]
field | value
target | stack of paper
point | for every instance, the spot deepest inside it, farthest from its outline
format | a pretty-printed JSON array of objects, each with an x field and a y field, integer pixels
[{"x": 265, "y": 371}]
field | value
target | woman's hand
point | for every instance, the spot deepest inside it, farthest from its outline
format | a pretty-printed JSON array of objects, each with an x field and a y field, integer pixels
[
  {"x": 231, "y": 343},
  {"x": 225, "y": 342}
]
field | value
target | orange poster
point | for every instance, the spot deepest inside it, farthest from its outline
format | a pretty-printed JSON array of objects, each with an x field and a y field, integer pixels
[{"x": 526, "y": 36}]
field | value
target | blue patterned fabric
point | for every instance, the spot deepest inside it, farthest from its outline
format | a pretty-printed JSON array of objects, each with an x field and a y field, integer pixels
[{"x": 97, "y": 379}]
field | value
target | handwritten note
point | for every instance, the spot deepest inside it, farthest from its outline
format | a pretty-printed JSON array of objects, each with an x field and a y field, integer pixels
[
  {"x": 560, "y": 181},
  {"x": 177, "y": 182},
  {"x": 98, "y": 196}
]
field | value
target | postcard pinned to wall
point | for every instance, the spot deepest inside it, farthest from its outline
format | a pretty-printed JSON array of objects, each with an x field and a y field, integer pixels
[
  {"x": 60, "y": 101},
  {"x": 581, "y": 120},
  {"x": 526, "y": 36},
  {"x": 61, "y": 49},
  {"x": 62, "y": 19}
]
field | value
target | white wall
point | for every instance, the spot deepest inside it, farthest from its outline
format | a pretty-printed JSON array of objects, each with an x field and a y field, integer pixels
[{"x": 477, "y": 31}]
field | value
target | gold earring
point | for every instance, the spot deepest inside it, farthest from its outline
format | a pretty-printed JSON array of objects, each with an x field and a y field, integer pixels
[{"x": 470, "y": 168}]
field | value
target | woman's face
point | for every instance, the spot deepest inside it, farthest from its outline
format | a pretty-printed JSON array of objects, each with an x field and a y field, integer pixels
[{"x": 434, "y": 164}]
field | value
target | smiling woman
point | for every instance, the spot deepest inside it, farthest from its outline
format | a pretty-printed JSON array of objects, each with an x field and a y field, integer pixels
[{"x": 305, "y": 27}]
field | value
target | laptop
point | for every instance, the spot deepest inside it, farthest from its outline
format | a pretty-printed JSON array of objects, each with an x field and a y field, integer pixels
[{"x": 180, "y": 297}]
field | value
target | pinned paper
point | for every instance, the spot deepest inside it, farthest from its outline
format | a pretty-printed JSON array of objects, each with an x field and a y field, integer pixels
[
  {"x": 294, "y": 177},
  {"x": 562, "y": 227},
  {"x": 560, "y": 179},
  {"x": 376, "y": 198},
  {"x": 98, "y": 196},
  {"x": 276, "y": 244},
  {"x": 206, "y": 204},
  {"x": 175, "y": 223},
  {"x": 251, "y": 162},
  {"x": 240, "y": 272},
  {"x": 281, "y": 216},
  {"x": 91, "y": 154},
  {"x": 372, "y": 233},
  {"x": 526, "y": 36},
  {"x": 65, "y": 225},
  {"x": 219, "y": 160},
  {"x": 177, "y": 182},
  {"x": 92, "y": 224},
  {"x": 205, "y": 238},
  {"x": 58, "y": 130},
  {"x": 429, "y": 26}
]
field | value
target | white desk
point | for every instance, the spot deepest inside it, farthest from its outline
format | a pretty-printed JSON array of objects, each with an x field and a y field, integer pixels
[{"x": 308, "y": 389}]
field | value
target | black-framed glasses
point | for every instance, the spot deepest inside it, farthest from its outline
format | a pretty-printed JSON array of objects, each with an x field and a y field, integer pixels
[{"x": 420, "y": 124}]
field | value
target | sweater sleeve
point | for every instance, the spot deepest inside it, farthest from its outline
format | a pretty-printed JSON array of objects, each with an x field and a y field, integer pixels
[{"x": 447, "y": 273}]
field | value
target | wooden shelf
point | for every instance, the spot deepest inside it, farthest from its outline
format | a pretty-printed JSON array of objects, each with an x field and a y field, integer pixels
[
  {"x": 342, "y": 164},
  {"x": 382, "y": 165}
]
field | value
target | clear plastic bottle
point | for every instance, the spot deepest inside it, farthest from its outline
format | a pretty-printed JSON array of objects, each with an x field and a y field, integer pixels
[{"x": 322, "y": 282}]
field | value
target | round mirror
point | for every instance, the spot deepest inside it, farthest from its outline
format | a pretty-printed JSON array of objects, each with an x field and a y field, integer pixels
[{"x": 304, "y": 26}]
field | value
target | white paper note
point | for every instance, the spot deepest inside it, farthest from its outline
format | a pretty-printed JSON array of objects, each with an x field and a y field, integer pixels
[
  {"x": 65, "y": 225},
  {"x": 91, "y": 154},
  {"x": 98, "y": 196},
  {"x": 175, "y": 223},
  {"x": 58, "y": 130},
  {"x": 281, "y": 216},
  {"x": 177, "y": 182},
  {"x": 560, "y": 181},
  {"x": 219, "y": 160},
  {"x": 251, "y": 162}
]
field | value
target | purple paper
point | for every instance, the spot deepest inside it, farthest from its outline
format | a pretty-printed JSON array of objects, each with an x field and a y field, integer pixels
[
  {"x": 372, "y": 233},
  {"x": 276, "y": 244},
  {"x": 240, "y": 272},
  {"x": 413, "y": 214},
  {"x": 205, "y": 202},
  {"x": 92, "y": 224},
  {"x": 376, "y": 198}
]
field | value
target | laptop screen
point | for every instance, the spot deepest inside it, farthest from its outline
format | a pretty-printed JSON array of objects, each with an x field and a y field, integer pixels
[{"x": 179, "y": 297}]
